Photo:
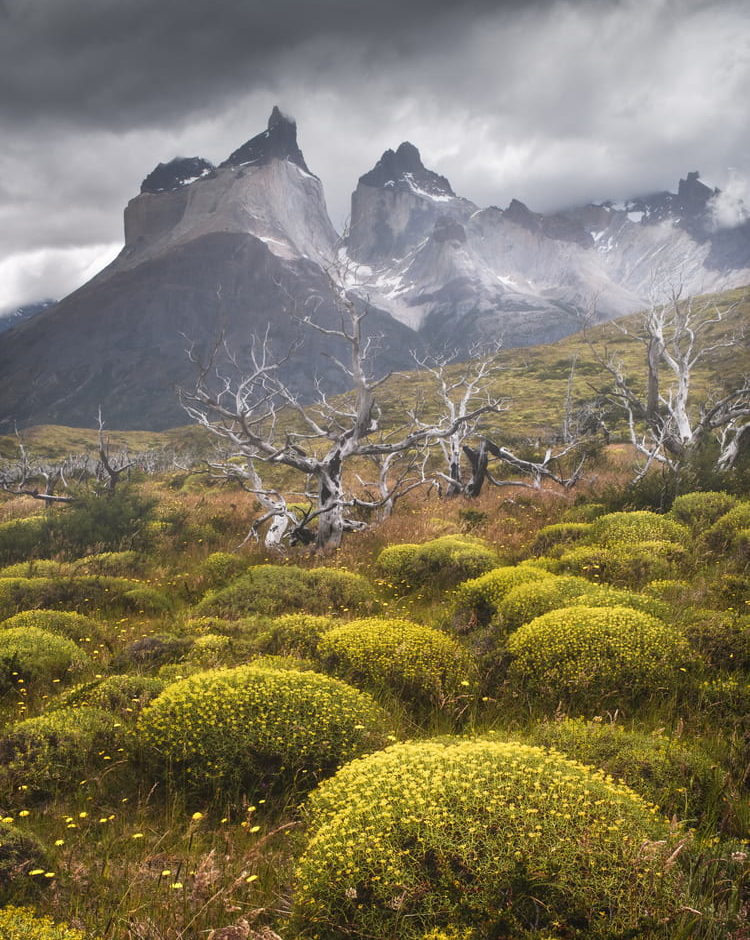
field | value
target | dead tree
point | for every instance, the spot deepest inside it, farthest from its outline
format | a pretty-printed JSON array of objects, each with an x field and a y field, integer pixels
[
  {"x": 668, "y": 423},
  {"x": 110, "y": 466},
  {"x": 39, "y": 478},
  {"x": 263, "y": 421},
  {"x": 538, "y": 471},
  {"x": 459, "y": 389}
]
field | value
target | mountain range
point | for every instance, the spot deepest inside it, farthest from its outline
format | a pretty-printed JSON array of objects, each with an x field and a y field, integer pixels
[{"x": 216, "y": 254}]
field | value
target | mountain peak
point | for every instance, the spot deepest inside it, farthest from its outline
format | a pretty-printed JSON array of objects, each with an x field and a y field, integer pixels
[
  {"x": 277, "y": 142},
  {"x": 402, "y": 170}
]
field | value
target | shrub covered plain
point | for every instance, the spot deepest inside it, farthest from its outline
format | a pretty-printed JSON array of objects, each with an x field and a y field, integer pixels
[{"x": 524, "y": 717}]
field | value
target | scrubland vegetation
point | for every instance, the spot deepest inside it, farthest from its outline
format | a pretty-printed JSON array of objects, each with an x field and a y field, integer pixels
[
  {"x": 519, "y": 716},
  {"x": 522, "y": 716}
]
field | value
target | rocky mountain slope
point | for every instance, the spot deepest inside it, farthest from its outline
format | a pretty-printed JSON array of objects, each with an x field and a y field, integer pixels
[{"x": 224, "y": 252}]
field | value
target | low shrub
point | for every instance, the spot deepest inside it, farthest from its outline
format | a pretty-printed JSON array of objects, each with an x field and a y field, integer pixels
[
  {"x": 37, "y": 657},
  {"x": 21, "y": 539},
  {"x": 128, "y": 564},
  {"x": 589, "y": 653},
  {"x": 526, "y": 601},
  {"x": 124, "y": 696},
  {"x": 36, "y": 568},
  {"x": 76, "y": 627},
  {"x": 681, "y": 779},
  {"x": 477, "y": 600},
  {"x": 81, "y": 594},
  {"x": 724, "y": 534},
  {"x": 20, "y": 851},
  {"x": 147, "y": 600},
  {"x": 291, "y": 634},
  {"x": 210, "y": 651},
  {"x": 222, "y": 567},
  {"x": 631, "y": 564},
  {"x": 726, "y": 698},
  {"x": 150, "y": 652},
  {"x": 584, "y": 512},
  {"x": 96, "y": 524},
  {"x": 618, "y": 528},
  {"x": 419, "y": 664},
  {"x": 251, "y": 726},
  {"x": 722, "y": 638},
  {"x": 699, "y": 511},
  {"x": 277, "y": 589},
  {"x": 499, "y": 837},
  {"x": 440, "y": 563},
  {"x": 54, "y": 751},
  {"x": 560, "y": 533},
  {"x": 22, "y": 923}
]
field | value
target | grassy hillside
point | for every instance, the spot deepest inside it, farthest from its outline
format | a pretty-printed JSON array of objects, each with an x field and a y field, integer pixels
[{"x": 534, "y": 380}]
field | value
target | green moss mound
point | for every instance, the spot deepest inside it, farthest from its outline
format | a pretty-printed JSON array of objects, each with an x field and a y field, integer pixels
[
  {"x": 618, "y": 528},
  {"x": 477, "y": 600},
  {"x": 681, "y": 780},
  {"x": 698, "y": 511},
  {"x": 442, "y": 562},
  {"x": 240, "y": 727},
  {"x": 65, "y": 593},
  {"x": 19, "y": 852},
  {"x": 419, "y": 664},
  {"x": 221, "y": 567},
  {"x": 36, "y": 568},
  {"x": 54, "y": 751},
  {"x": 124, "y": 696},
  {"x": 272, "y": 590},
  {"x": 76, "y": 627},
  {"x": 588, "y": 653},
  {"x": 38, "y": 657},
  {"x": 22, "y": 923},
  {"x": 499, "y": 837},
  {"x": 127, "y": 564}
]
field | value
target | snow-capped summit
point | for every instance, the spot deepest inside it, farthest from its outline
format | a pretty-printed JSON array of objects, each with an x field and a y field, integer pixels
[
  {"x": 403, "y": 170},
  {"x": 277, "y": 142}
]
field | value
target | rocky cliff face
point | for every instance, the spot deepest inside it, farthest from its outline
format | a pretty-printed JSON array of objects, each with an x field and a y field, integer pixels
[
  {"x": 459, "y": 274},
  {"x": 242, "y": 247}
]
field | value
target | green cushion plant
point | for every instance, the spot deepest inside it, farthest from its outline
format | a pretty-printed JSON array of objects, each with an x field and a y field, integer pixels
[
  {"x": 589, "y": 654},
  {"x": 35, "y": 657},
  {"x": 421, "y": 665},
  {"x": 498, "y": 837},
  {"x": 250, "y": 726},
  {"x": 76, "y": 627},
  {"x": 477, "y": 601},
  {"x": 441, "y": 562}
]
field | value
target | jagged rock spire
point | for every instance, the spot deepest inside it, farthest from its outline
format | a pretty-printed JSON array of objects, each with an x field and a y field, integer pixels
[
  {"x": 402, "y": 169},
  {"x": 277, "y": 142}
]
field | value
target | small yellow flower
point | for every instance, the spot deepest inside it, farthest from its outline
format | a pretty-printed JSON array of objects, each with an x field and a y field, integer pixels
[
  {"x": 196, "y": 817},
  {"x": 59, "y": 842}
]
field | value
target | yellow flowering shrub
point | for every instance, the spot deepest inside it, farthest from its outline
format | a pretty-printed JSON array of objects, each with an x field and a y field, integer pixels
[
  {"x": 124, "y": 696},
  {"x": 19, "y": 851},
  {"x": 290, "y": 634},
  {"x": 721, "y": 637},
  {"x": 22, "y": 923},
  {"x": 221, "y": 567},
  {"x": 418, "y": 663},
  {"x": 250, "y": 725},
  {"x": 588, "y": 652},
  {"x": 127, "y": 564},
  {"x": 211, "y": 650},
  {"x": 526, "y": 601},
  {"x": 36, "y": 568},
  {"x": 617, "y": 528},
  {"x": 441, "y": 562},
  {"x": 498, "y": 837},
  {"x": 54, "y": 751},
  {"x": 477, "y": 600},
  {"x": 38, "y": 657},
  {"x": 279, "y": 589},
  {"x": 76, "y": 627},
  {"x": 149, "y": 652},
  {"x": 698, "y": 511},
  {"x": 630, "y": 564},
  {"x": 679, "y": 778}
]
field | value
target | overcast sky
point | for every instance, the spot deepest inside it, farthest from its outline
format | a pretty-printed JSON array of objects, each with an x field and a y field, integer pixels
[{"x": 555, "y": 102}]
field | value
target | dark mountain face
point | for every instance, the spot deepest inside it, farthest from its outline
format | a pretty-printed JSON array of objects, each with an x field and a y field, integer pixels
[
  {"x": 244, "y": 247},
  {"x": 17, "y": 316}
]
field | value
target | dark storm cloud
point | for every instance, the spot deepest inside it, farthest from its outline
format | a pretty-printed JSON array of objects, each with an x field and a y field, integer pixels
[
  {"x": 556, "y": 102},
  {"x": 115, "y": 61}
]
